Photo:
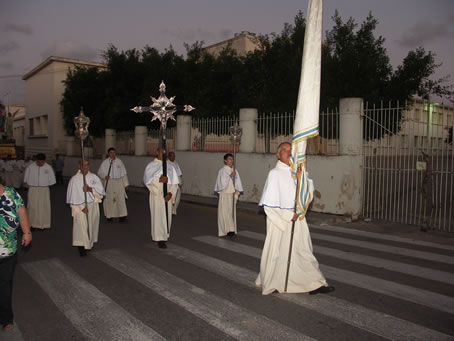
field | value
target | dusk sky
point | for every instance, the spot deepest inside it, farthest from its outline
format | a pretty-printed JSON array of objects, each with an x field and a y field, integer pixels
[{"x": 32, "y": 30}]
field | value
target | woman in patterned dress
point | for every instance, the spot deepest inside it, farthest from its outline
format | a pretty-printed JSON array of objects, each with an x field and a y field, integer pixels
[{"x": 12, "y": 214}]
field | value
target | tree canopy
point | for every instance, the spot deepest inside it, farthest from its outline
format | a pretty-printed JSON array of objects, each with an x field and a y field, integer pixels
[{"x": 355, "y": 63}]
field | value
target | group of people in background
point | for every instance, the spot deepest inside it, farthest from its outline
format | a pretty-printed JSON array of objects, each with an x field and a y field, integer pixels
[
  {"x": 12, "y": 170},
  {"x": 87, "y": 190}
]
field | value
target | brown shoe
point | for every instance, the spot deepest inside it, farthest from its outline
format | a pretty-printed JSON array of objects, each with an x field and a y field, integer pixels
[{"x": 7, "y": 327}]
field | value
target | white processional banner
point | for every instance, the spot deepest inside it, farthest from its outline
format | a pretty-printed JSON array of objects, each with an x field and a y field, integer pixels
[{"x": 307, "y": 108}]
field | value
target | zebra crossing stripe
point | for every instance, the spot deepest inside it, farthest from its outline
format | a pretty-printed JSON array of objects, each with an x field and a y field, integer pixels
[
  {"x": 386, "y": 248},
  {"x": 91, "y": 312},
  {"x": 380, "y": 236},
  {"x": 233, "y": 320},
  {"x": 409, "y": 269},
  {"x": 380, "y": 324},
  {"x": 400, "y": 291}
]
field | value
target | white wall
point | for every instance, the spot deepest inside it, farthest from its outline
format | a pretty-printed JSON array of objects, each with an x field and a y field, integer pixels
[{"x": 336, "y": 178}]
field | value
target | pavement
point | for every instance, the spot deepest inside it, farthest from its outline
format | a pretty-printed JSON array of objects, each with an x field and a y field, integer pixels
[
  {"x": 413, "y": 232},
  {"x": 323, "y": 219}
]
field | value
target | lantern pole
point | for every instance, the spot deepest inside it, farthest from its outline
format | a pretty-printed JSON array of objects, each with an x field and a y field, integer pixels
[
  {"x": 81, "y": 122},
  {"x": 235, "y": 137}
]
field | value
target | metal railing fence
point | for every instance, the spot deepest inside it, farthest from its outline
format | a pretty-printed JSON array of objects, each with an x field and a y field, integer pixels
[
  {"x": 125, "y": 141},
  {"x": 213, "y": 134},
  {"x": 275, "y": 128},
  {"x": 409, "y": 164}
]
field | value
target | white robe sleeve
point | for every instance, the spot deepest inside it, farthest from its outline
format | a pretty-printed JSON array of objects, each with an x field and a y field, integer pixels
[
  {"x": 125, "y": 181},
  {"x": 52, "y": 180},
  {"x": 26, "y": 175},
  {"x": 222, "y": 181},
  {"x": 279, "y": 217},
  {"x": 77, "y": 209}
]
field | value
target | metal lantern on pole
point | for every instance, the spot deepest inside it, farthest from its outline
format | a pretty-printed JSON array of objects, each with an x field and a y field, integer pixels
[
  {"x": 235, "y": 137},
  {"x": 82, "y": 122},
  {"x": 162, "y": 109}
]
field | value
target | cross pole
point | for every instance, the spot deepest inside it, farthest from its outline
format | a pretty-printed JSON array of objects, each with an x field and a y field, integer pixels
[
  {"x": 81, "y": 122},
  {"x": 162, "y": 109}
]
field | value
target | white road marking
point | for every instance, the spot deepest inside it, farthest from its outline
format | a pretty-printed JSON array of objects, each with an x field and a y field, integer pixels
[
  {"x": 92, "y": 313},
  {"x": 375, "y": 322},
  {"x": 404, "y": 292},
  {"x": 218, "y": 312}
]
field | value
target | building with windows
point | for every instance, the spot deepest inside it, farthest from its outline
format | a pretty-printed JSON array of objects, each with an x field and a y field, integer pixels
[
  {"x": 44, "y": 87},
  {"x": 18, "y": 115}
]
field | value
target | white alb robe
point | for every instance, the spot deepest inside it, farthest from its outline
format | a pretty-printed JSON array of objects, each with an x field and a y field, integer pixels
[
  {"x": 76, "y": 199},
  {"x": 278, "y": 200},
  {"x": 18, "y": 174},
  {"x": 9, "y": 172},
  {"x": 228, "y": 197},
  {"x": 159, "y": 218},
  {"x": 38, "y": 200},
  {"x": 114, "y": 203},
  {"x": 180, "y": 179}
]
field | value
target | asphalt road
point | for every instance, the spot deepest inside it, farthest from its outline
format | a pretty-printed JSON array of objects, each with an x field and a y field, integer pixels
[{"x": 202, "y": 286}]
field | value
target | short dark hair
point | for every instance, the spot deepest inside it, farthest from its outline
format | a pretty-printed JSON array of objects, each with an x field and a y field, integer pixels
[
  {"x": 226, "y": 156},
  {"x": 41, "y": 157},
  {"x": 281, "y": 144},
  {"x": 110, "y": 149}
]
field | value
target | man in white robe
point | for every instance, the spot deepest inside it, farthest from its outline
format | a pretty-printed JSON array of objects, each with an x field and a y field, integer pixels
[
  {"x": 113, "y": 172},
  {"x": 278, "y": 200},
  {"x": 39, "y": 176},
  {"x": 180, "y": 180},
  {"x": 161, "y": 220},
  {"x": 228, "y": 196},
  {"x": 18, "y": 175},
  {"x": 85, "y": 236}
]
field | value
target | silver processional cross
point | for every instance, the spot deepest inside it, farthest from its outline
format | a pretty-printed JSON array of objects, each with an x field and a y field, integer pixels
[{"x": 162, "y": 109}]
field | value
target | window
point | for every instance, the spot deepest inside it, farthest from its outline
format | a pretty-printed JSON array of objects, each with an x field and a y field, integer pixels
[
  {"x": 31, "y": 125},
  {"x": 38, "y": 126}
]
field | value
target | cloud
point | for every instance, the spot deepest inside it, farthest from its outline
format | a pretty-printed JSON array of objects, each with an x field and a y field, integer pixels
[
  {"x": 424, "y": 32},
  {"x": 8, "y": 47},
  {"x": 71, "y": 49},
  {"x": 23, "y": 29},
  {"x": 188, "y": 36},
  {"x": 6, "y": 65}
]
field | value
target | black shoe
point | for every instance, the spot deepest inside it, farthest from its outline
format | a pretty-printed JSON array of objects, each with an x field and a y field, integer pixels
[
  {"x": 322, "y": 290},
  {"x": 109, "y": 220},
  {"x": 162, "y": 244},
  {"x": 82, "y": 251},
  {"x": 230, "y": 234},
  {"x": 123, "y": 219}
]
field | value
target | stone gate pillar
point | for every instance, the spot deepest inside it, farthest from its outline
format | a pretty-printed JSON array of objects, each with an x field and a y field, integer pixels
[
  {"x": 110, "y": 139},
  {"x": 184, "y": 123},
  {"x": 140, "y": 138},
  {"x": 351, "y": 151},
  {"x": 350, "y": 126},
  {"x": 70, "y": 146},
  {"x": 248, "y": 121}
]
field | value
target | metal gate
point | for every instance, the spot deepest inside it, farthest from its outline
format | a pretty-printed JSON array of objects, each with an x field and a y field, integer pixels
[{"x": 408, "y": 165}]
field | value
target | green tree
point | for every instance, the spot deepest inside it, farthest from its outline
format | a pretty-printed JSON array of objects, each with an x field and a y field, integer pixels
[
  {"x": 354, "y": 64},
  {"x": 85, "y": 88}
]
